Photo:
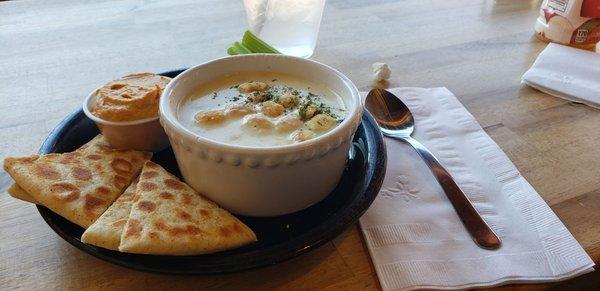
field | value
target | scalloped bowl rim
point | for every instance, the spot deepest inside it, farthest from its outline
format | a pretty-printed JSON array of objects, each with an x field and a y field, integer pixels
[{"x": 350, "y": 122}]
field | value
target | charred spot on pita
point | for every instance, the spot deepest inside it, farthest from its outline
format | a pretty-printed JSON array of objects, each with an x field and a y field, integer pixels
[
  {"x": 46, "y": 171},
  {"x": 64, "y": 191},
  {"x": 81, "y": 173},
  {"x": 174, "y": 184},
  {"x": 149, "y": 174},
  {"x": 146, "y": 206},
  {"x": 121, "y": 166}
]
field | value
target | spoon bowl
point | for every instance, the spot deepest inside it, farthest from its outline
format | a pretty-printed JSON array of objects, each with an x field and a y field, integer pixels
[{"x": 393, "y": 117}]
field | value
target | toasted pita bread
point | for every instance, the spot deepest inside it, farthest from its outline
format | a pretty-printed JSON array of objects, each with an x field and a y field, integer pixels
[
  {"x": 106, "y": 231},
  {"x": 17, "y": 192},
  {"x": 169, "y": 218},
  {"x": 79, "y": 185},
  {"x": 97, "y": 143}
]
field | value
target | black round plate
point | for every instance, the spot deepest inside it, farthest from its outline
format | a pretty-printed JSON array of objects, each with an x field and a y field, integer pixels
[{"x": 279, "y": 238}]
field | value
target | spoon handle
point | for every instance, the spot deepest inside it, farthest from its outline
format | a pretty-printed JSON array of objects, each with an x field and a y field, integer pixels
[{"x": 474, "y": 223}]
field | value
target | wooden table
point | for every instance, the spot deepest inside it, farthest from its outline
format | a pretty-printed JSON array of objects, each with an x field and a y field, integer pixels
[{"x": 53, "y": 54}]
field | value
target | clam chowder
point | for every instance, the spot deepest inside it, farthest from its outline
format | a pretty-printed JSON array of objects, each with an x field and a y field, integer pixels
[{"x": 261, "y": 110}]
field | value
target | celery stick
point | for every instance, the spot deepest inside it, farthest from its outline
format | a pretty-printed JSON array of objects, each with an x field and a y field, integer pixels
[
  {"x": 256, "y": 45},
  {"x": 238, "y": 49},
  {"x": 232, "y": 51},
  {"x": 242, "y": 48}
]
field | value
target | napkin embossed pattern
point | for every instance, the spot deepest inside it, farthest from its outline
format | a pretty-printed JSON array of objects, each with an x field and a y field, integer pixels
[{"x": 413, "y": 234}]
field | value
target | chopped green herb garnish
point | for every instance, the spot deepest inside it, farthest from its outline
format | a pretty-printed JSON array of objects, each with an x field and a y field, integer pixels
[
  {"x": 271, "y": 96},
  {"x": 302, "y": 112}
]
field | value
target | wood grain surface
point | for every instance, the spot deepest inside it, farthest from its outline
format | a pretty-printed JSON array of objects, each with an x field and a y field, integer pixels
[{"x": 54, "y": 52}]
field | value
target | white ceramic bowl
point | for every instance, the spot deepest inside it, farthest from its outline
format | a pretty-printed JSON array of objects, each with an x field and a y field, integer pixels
[
  {"x": 261, "y": 181},
  {"x": 142, "y": 135}
]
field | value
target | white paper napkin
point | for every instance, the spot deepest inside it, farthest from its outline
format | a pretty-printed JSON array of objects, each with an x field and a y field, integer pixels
[
  {"x": 415, "y": 238},
  {"x": 568, "y": 73}
]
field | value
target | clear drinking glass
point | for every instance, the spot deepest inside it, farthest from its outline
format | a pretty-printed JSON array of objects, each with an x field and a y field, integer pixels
[{"x": 291, "y": 26}]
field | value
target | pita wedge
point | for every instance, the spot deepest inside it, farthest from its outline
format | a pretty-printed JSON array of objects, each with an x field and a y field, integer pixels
[
  {"x": 79, "y": 185},
  {"x": 169, "y": 218},
  {"x": 17, "y": 192},
  {"x": 106, "y": 231}
]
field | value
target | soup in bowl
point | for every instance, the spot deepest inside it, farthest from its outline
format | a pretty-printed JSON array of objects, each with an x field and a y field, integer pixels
[
  {"x": 261, "y": 135},
  {"x": 261, "y": 109}
]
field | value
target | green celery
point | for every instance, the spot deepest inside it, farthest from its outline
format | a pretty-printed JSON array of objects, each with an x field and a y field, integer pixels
[
  {"x": 256, "y": 45},
  {"x": 238, "y": 49}
]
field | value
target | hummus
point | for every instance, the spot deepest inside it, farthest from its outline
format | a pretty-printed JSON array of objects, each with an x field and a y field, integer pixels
[{"x": 132, "y": 97}]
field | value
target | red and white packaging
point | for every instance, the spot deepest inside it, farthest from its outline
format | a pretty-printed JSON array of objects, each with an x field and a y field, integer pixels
[{"x": 570, "y": 22}]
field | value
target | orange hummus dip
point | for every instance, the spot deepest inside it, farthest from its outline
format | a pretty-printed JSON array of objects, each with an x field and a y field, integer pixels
[{"x": 132, "y": 97}]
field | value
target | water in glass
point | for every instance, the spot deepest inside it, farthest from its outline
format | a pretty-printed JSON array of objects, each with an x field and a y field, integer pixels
[{"x": 291, "y": 26}]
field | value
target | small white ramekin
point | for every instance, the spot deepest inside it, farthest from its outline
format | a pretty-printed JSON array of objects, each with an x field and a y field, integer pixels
[
  {"x": 142, "y": 135},
  {"x": 261, "y": 181}
]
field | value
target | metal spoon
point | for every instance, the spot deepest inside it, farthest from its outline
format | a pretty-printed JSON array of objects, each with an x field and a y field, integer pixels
[{"x": 396, "y": 121}]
